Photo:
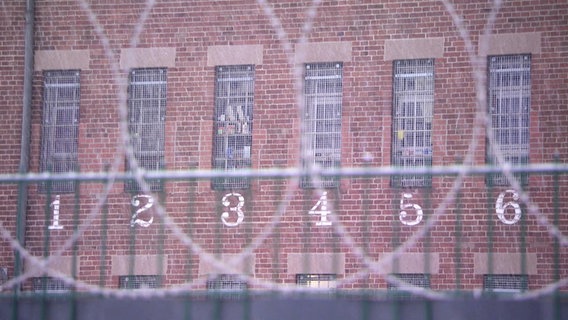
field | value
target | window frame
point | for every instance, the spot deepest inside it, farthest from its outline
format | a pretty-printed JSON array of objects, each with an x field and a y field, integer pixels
[
  {"x": 134, "y": 282},
  {"x": 233, "y": 123},
  {"x": 322, "y": 121},
  {"x": 515, "y": 283},
  {"x": 317, "y": 280},
  {"x": 60, "y": 127},
  {"x": 147, "y": 103},
  {"x": 503, "y": 96},
  {"x": 413, "y": 90}
]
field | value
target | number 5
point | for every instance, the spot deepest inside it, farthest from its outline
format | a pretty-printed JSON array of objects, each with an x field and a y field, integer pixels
[{"x": 404, "y": 205}]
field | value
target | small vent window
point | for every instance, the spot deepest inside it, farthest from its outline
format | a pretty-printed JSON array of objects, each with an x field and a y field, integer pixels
[
  {"x": 509, "y": 98},
  {"x": 234, "y": 99},
  {"x": 139, "y": 282},
  {"x": 146, "y": 121},
  {"x": 505, "y": 283},
  {"x": 60, "y": 127},
  {"x": 49, "y": 284},
  {"x": 413, "y": 102},
  {"x": 323, "y": 94},
  {"x": 325, "y": 281}
]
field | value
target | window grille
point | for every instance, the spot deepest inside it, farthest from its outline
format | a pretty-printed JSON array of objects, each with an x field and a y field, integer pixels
[
  {"x": 146, "y": 121},
  {"x": 49, "y": 284},
  {"x": 317, "y": 280},
  {"x": 413, "y": 101},
  {"x": 323, "y": 92},
  {"x": 139, "y": 282},
  {"x": 419, "y": 280},
  {"x": 509, "y": 107},
  {"x": 60, "y": 126},
  {"x": 227, "y": 285},
  {"x": 505, "y": 282},
  {"x": 234, "y": 99}
]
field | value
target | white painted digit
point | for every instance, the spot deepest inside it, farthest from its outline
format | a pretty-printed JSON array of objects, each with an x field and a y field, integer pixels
[
  {"x": 55, "y": 205},
  {"x": 500, "y": 208},
  {"x": 238, "y": 209},
  {"x": 136, "y": 203},
  {"x": 323, "y": 212},
  {"x": 406, "y": 204}
]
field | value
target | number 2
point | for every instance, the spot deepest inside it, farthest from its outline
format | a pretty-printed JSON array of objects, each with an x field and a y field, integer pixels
[{"x": 135, "y": 203}]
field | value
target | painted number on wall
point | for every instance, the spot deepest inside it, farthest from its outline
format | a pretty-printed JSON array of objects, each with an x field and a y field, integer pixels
[
  {"x": 322, "y": 212},
  {"x": 405, "y": 204},
  {"x": 233, "y": 208},
  {"x": 55, "y": 205},
  {"x": 501, "y": 208},
  {"x": 136, "y": 220}
]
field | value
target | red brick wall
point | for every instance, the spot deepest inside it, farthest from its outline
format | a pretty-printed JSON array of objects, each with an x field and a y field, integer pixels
[{"x": 366, "y": 206}]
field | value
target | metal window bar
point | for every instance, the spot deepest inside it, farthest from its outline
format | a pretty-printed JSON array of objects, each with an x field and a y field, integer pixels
[
  {"x": 139, "y": 282},
  {"x": 49, "y": 284},
  {"x": 413, "y": 101},
  {"x": 505, "y": 283},
  {"x": 227, "y": 285},
  {"x": 233, "y": 117},
  {"x": 509, "y": 101},
  {"x": 60, "y": 127},
  {"x": 323, "y": 92},
  {"x": 311, "y": 280},
  {"x": 420, "y": 280},
  {"x": 147, "y": 93}
]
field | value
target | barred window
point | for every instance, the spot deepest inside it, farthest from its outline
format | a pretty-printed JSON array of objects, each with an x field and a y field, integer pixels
[
  {"x": 505, "y": 282},
  {"x": 509, "y": 98},
  {"x": 419, "y": 280},
  {"x": 312, "y": 280},
  {"x": 60, "y": 127},
  {"x": 146, "y": 121},
  {"x": 323, "y": 92},
  {"x": 49, "y": 284},
  {"x": 233, "y": 115},
  {"x": 413, "y": 101},
  {"x": 227, "y": 285},
  {"x": 139, "y": 282}
]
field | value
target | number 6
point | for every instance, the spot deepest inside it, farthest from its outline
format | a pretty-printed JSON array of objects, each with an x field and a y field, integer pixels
[{"x": 500, "y": 207}]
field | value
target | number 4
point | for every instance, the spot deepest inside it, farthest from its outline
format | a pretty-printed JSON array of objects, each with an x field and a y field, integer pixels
[{"x": 322, "y": 203}]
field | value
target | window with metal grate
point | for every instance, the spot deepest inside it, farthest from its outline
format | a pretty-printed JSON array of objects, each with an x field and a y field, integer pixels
[
  {"x": 420, "y": 280},
  {"x": 323, "y": 94},
  {"x": 509, "y": 99},
  {"x": 313, "y": 280},
  {"x": 233, "y": 118},
  {"x": 227, "y": 285},
  {"x": 139, "y": 282},
  {"x": 413, "y": 102},
  {"x": 49, "y": 284},
  {"x": 60, "y": 127},
  {"x": 505, "y": 282},
  {"x": 146, "y": 121}
]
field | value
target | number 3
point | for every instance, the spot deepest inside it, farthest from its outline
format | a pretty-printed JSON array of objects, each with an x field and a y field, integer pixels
[
  {"x": 238, "y": 209},
  {"x": 404, "y": 205},
  {"x": 500, "y": 207}
]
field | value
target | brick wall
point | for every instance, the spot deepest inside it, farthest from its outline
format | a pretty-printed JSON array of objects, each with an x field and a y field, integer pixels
[{"x": 365, "y": 37}]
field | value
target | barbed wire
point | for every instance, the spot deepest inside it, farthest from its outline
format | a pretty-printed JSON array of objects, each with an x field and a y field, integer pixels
[{"x": 292, "y": 175}]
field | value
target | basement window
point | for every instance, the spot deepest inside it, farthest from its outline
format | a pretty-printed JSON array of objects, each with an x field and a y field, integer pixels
[
  {"x": 314, "y": 280},
  {"x": 505, "y": 283},
  {"x": 139, "y": 282},
  {"x": 49, "y": 284}
]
